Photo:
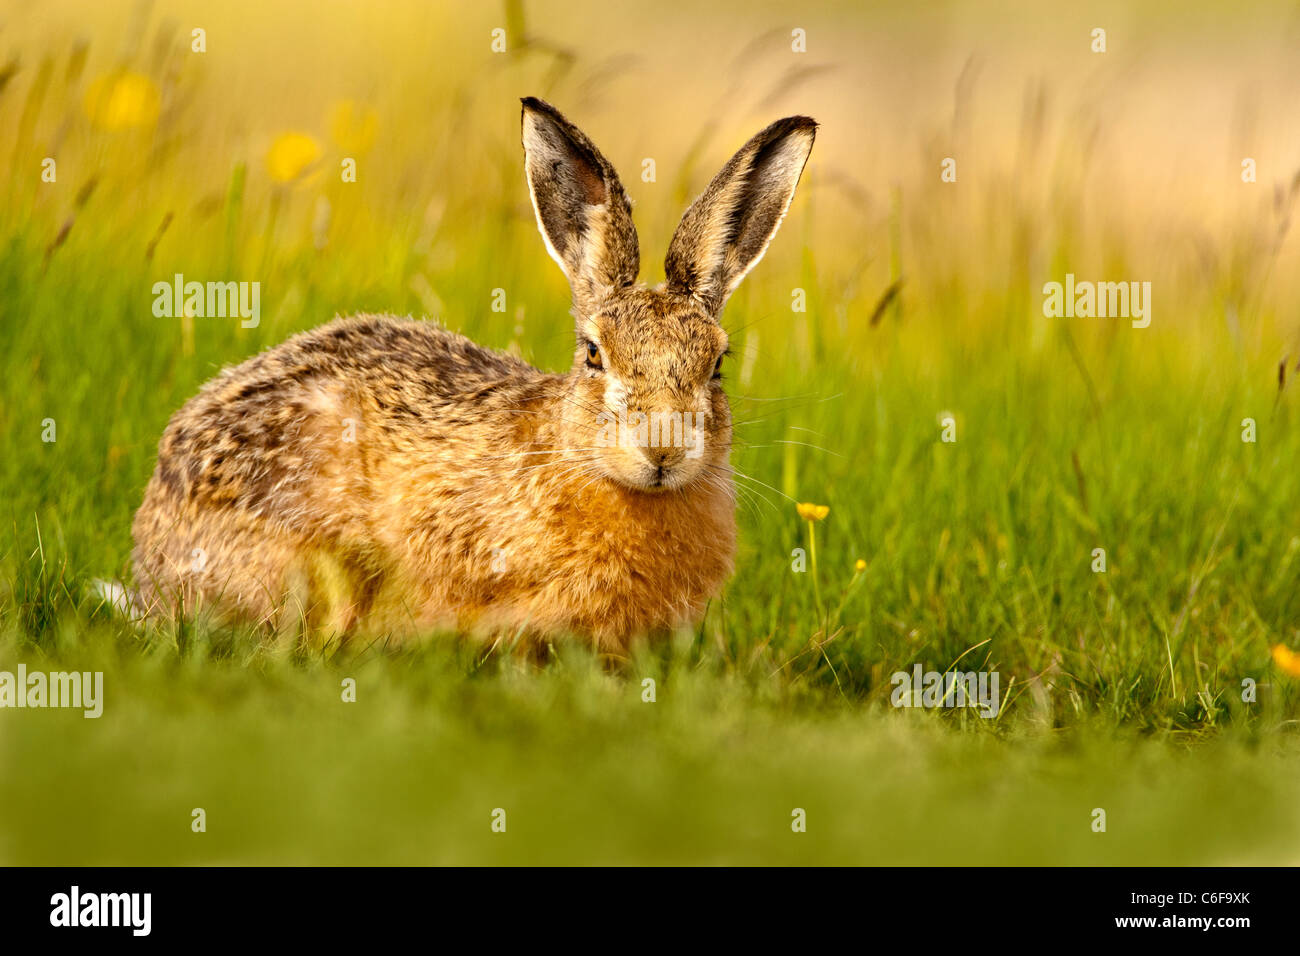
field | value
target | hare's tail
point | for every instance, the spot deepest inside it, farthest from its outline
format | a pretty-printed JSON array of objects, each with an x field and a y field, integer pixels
[{"x": 119, "y": 598}]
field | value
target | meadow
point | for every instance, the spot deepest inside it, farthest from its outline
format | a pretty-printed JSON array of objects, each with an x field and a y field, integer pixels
[{"x": 894, "y": 310}]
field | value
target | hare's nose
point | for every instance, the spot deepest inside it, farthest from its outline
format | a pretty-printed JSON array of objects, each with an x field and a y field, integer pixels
[{"x": 663, "y": 456}]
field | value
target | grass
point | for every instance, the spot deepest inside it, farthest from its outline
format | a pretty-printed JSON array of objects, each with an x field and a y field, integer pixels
[
  {"x": 1123, "y": 690},
  {"x": 587, "y": 773}
]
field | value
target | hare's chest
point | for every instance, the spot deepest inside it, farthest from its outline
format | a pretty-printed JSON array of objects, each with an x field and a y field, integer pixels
[
  {"x": 609, "y": 566},
  {"x": 647, "y": 564}
]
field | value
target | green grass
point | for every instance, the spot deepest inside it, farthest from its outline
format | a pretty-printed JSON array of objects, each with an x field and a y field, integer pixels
[
  {"x": 984, "y": 544},
  {"x": 1123, "y": 690},
  {"x": 587, "y": 773}
]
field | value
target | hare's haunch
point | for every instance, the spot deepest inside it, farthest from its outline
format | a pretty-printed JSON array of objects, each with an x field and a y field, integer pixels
[{"x": 389, "y": 476}]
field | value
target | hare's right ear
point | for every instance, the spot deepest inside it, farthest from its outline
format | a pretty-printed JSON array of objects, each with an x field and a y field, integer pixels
[
  {"x": 726, "y": 230},
  {"x": 582, "y": 210}
]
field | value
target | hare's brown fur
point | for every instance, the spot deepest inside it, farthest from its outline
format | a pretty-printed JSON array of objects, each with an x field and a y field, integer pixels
[{"x": 388, "y": 475}]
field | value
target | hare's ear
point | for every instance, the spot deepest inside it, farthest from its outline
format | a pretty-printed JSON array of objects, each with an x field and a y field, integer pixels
[
  {"x": 582, "y": 210},
  {"x": 726, "y": 230}
]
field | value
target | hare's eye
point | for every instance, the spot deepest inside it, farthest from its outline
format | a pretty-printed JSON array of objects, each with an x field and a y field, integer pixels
[
  {"x": 717, "y": 368},
  {"x": 593, "y": 355}
]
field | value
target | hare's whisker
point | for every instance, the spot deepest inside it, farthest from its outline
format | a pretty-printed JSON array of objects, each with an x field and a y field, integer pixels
[
  {"x": 523, "y": 454},
  {"x": 737, "y": 473},
  {"x": 563, "y": 461},
  {"x": 806, "y": 445}
]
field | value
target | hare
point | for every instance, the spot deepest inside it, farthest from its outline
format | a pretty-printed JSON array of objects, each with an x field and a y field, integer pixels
[{"x": 385, "y": 475}]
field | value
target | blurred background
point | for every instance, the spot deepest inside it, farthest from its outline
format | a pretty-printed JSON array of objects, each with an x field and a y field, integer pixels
[{"x": 1123, "y": 163}]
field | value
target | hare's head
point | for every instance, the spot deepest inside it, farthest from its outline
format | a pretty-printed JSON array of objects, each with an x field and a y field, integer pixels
[{"x": 645, "y": 394}]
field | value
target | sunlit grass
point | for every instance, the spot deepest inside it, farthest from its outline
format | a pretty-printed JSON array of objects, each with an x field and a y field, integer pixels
[{"x": 1124, "y": 689}]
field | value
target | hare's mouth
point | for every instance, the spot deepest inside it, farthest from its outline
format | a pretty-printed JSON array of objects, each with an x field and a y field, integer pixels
[
  {"x": 651, "y": 471},
  {"x": 661, "y": 477}
]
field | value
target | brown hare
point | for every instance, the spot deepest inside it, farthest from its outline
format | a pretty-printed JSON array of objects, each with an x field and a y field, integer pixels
[{"x": 388, "y": 476}]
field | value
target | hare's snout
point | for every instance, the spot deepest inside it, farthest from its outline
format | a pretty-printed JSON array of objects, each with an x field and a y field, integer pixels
[
  {"x": 664, "y": 467},
  {"x": 656, "y": 450}
]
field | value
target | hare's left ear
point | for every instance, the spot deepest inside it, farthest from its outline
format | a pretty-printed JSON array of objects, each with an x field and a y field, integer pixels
[
  {"x": 582, "y": 209},
  {"x": 727, "y": 230}
]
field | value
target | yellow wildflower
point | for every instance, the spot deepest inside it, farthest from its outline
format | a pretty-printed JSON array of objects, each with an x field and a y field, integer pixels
[
  {"x": 812, "y": 512},
  {"x": 122, "y": 100},
  {"x": 1286, "y": 659},
  {"x": 290, "y": 156}
]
